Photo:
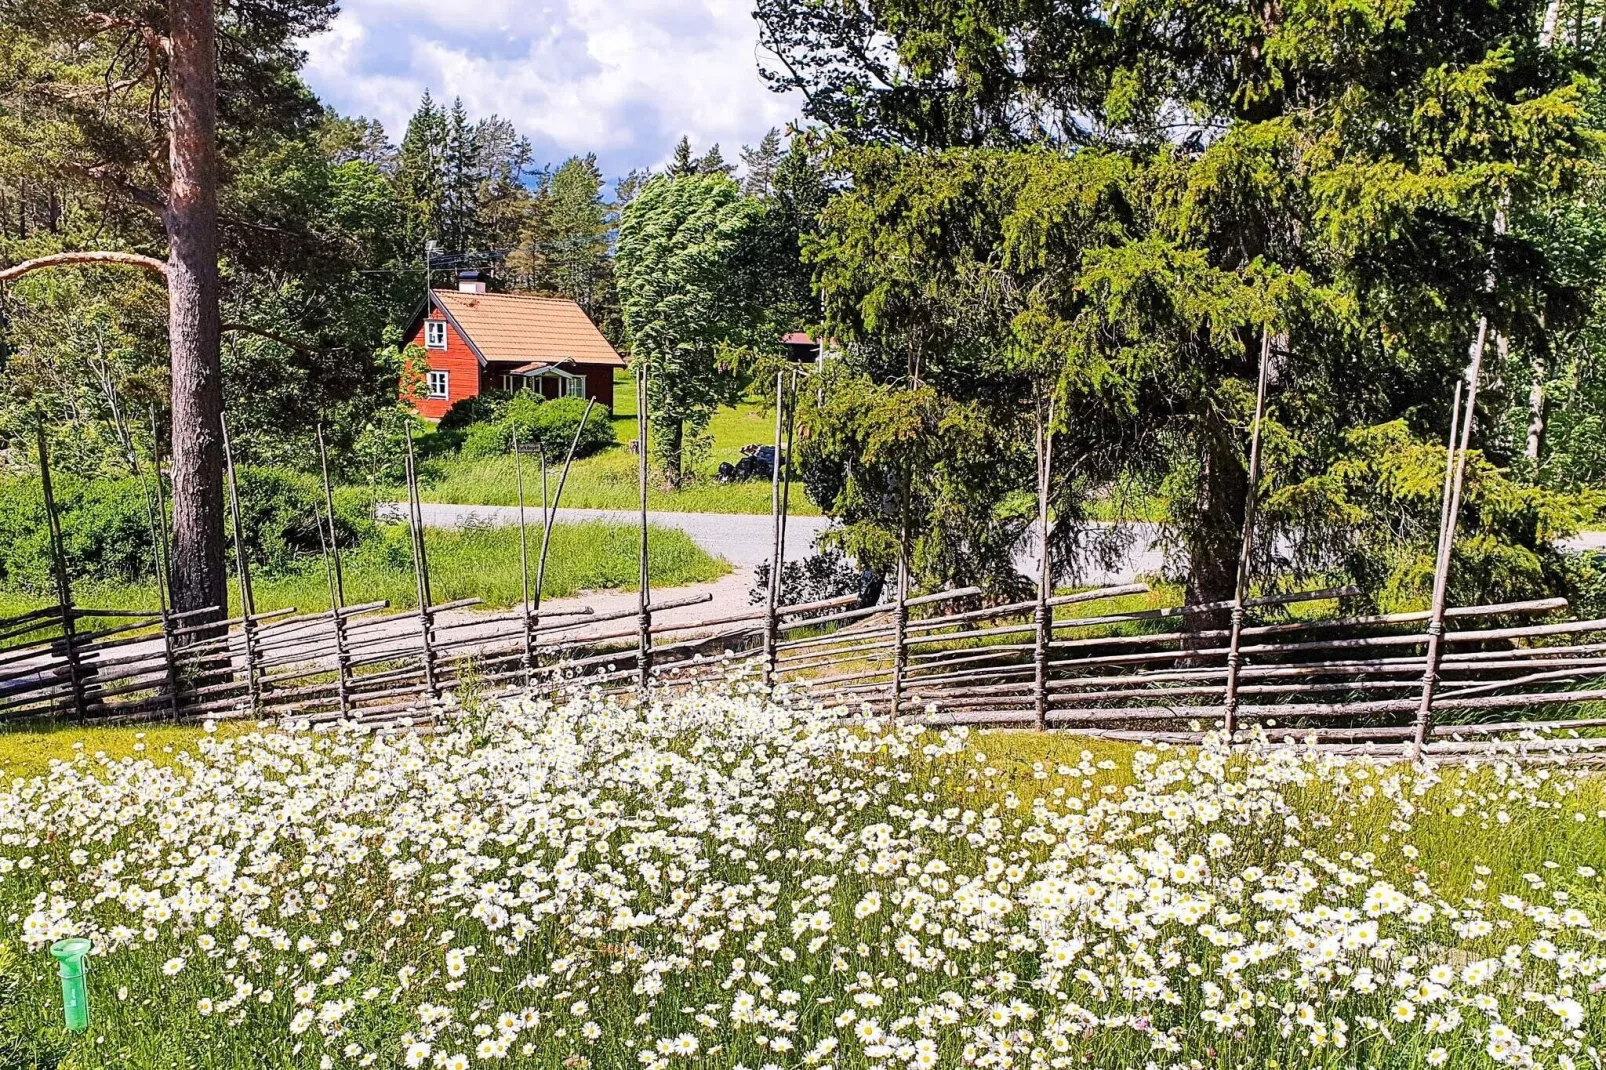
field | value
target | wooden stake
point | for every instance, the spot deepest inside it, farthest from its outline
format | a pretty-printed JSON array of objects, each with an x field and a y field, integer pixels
[
  {"x": 1441, "y": 574},
  {"x": 151, "y": 521},
  {"x": 336, "y": 617},
  {"x": 900, "y": 618},
  {"x": 549, "y": 512},
  {"x": 1041, "y": 614},
  {"x": 415, "y": 516},
  {"x": 786, "y": 472},
  {"x": 243, "y": 572},
  {"x": 58, "y": 554},
  {"x": 163, "y": 564},
  {"x": 165, "y": 550},
  {"x": 772, "y": 595},
  {"x": 1247, "y": 547},
  {"x": 644, "y": 602},
  {"x": 329, "y": 507},
  {"x": 524, "y": 558},
  {"x": 337, "y": 586}
]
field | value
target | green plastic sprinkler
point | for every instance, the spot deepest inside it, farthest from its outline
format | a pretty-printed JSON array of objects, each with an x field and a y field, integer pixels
[{"x": 69, "y": 955}]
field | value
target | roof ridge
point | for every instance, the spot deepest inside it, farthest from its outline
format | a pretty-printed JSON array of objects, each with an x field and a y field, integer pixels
[{"x": 516, "y": 297}]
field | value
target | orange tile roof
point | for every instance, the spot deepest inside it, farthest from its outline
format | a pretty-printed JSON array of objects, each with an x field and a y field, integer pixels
[{"x": 526, "y": 328}]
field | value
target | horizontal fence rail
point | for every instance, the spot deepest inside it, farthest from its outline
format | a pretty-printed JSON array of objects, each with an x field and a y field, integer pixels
[{"x": 1132, "y": 674}]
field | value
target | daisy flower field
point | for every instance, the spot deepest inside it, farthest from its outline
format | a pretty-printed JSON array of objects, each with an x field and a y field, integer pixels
[{"x": 730, "y": 880}]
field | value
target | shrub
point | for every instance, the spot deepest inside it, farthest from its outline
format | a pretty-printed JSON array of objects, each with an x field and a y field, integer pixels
[
  {"x": 484, "y": 408},
  {"x": 106, "y": 534},
  {"x": 105, "y": 530},
  {"x": 280, "y": 511},
  {"x": 551, "y": 425},
  {"x": 820, "y": 576},
  {"x": 485, "y": 440}
]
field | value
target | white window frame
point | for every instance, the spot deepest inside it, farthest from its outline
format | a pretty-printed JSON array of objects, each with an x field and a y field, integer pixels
[
  {"x": 574, "y": 386},
  {"x": 435, "y": 334},
  {"x": 444, "y": 390}
]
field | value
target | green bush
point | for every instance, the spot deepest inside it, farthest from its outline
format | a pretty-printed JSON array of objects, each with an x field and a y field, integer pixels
[
  {"x": 551, "y": 425},
  {"x": 484, "y": 408},
  {"x": 485, "y": 440},
  {"x": 280, "y": 511},
  {"x": 106, "y": 533}
]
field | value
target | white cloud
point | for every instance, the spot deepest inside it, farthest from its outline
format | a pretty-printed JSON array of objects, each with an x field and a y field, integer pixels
[{"x": 621, "y": 78}]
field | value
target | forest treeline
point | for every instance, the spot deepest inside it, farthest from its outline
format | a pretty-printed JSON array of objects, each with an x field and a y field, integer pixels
[{"x": 999, "y": 216}]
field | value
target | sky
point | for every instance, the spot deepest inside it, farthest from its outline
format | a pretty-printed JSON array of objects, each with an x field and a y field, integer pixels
[{"x": 621, "y": 78}]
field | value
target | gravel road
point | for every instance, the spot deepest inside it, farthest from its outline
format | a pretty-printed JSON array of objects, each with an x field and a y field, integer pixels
[{"x": 743, "y": 539}]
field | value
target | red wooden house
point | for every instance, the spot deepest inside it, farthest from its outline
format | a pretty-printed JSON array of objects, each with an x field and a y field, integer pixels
[{"x": 478, "y": 341}]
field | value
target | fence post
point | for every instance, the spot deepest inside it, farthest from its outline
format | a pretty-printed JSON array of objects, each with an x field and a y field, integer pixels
[
  {"x": 772, "y": 596},
  {"x": 1246, "y": 547},
  {"x": 549, "y": 513},
  {"x": 1454, "y": 476},
  {"x": 1041, "y": 618},
  {"x": 900, "y": 618},
  {"x": 644, "y": 602},
  {"x": 243, "y": 571},
  {"x": 524, "y": 557},
  {"x": 151, "y": 513},
  {"x": 415, "y": 522},
  {"x": 58, "y": 554},
  {"x": 786, "y": 487},
  {"x": 337, "y": 584},
  {"x": 163, "y": 568}
]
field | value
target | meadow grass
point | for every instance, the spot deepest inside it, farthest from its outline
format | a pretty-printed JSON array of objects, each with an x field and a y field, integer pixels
[
  {"x": 27, "y": 748},
  {"x": 610, "y": 480},
  {"x": 473, "y": 562},
  {"x": 716, "y": 885}
]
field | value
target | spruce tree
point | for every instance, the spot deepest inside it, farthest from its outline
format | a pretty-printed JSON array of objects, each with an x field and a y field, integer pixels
[{"x": 761, "y": 163}]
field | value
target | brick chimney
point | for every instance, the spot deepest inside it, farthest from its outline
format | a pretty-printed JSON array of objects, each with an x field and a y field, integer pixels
[{"x": 469, "y": 282}]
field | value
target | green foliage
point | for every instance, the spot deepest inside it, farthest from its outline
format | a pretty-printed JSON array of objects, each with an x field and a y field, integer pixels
[
  {"x": 308, "y": 233},
  {"x": 547, "y": 425},
  {"x": 684, "y": 298},
  {"x": 565, "y": 244},
  {"x": 107, "y": 538},
  {"x": 106, "y": 532},
  {"x": 486, "y": 440},
  {"x": 1372, "y": 518},
  {"x": 1049, "y": 204},
  {"x": 341, "y": 225},
  {"x": 280, "y": 514},
  {"x": 485, "y": 407},
  {"x": 552, "y": 425},
  {"x": 462, "y": 181},
  {"x": 23, "y": 1045}
]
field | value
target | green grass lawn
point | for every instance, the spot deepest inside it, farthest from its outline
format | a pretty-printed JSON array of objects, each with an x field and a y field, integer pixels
[
  {"x": 28, "y": 749},
  {"x": 609, "y": 480},
  {"x": 479, "y": 562}
]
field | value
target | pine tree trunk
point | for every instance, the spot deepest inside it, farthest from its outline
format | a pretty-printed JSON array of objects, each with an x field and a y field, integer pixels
[
  {"x": 1214, "y": 541},
  {"x": 199, "y": 578}
]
